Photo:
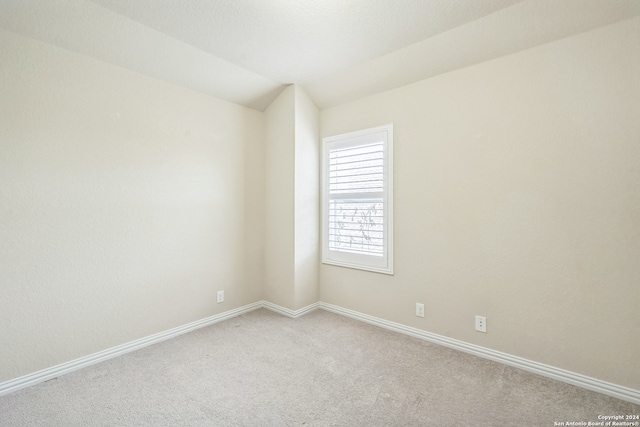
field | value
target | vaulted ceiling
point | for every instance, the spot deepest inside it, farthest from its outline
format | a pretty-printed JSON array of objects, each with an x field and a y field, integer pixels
[{"x": 247, "y": 51}]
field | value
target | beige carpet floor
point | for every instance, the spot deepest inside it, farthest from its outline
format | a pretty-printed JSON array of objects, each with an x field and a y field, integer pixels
[{"x": 263, "y": 369}]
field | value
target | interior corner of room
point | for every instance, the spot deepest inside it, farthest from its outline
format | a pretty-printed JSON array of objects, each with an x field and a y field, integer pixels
[{"x": 128, "y": 200}]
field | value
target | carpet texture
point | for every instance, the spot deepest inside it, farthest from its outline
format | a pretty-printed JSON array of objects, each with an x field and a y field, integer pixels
[{"x": 264, "y": 369}]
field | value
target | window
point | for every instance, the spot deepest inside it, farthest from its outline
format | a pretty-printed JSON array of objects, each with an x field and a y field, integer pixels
[{"x": 357, "y": 202}]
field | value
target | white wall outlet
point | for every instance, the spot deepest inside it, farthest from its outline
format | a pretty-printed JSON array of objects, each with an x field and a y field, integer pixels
[
  {"x": 419, "y": 309},
  {"x": 220, "y": 296},
  {"x": 481, "y": 324}
]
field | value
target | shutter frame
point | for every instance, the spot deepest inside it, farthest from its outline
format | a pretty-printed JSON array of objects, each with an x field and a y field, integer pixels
[{"x": 365, "y": 240}]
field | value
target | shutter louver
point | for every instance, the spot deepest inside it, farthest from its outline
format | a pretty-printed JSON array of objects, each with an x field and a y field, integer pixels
[{"x": 356, "y": 199}]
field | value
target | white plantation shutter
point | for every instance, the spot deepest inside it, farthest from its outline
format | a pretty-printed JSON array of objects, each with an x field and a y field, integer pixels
[
  {"x": 356, "y": 203},
  {"x": 357, "y": 199}
]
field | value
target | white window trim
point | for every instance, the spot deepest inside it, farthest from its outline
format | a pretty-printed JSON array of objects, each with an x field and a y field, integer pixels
[{"x": 377, "y": 264}]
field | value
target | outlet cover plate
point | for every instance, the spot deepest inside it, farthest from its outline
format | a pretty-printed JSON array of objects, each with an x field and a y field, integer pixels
[
  {"x": 481, "y": 324},
  {"x": 220, "y": 296},
  {"x": 419, "y": 309}
]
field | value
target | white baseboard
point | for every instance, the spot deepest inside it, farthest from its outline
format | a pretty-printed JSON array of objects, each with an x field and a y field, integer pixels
[
  {"x": 579, "y": 380},
  {"x": 609, "y": 389},
  {"x": 64, "y": 368},
  {"x": 287, "y": 312}
]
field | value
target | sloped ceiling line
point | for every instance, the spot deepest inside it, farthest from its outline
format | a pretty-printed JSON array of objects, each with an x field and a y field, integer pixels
[{"x": 246, "y": 51}]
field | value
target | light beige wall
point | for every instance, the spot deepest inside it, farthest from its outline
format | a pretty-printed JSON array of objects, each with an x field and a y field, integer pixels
[
  {"x": 307, "y": 196},
  {"x": 517, "y": 197},
  {"x": 279, "y": 256},
  {"x": 291, "y": 200},
  {"x": 254, "y": 206},
  {"x": 122, "y": 205}
]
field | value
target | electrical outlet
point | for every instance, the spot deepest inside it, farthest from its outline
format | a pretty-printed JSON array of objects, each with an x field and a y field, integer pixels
[
  {"x": 220, "y": 296},
  {"x": 481, "y": 324},
  {"x": 419, "y": 309}
]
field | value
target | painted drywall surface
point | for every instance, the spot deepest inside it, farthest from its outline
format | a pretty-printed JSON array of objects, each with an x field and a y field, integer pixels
[
  {"x": 254, "y": 205},
  {"x": 279, "y": 201},
  {"x": 291, "y": 200},
  {"x": 517, "y": 197},
  {"x": 122, "y": 205},
  {"x": 307, "y": 195}
]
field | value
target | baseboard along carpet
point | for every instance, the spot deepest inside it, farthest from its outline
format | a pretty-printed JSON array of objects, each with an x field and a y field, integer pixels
[{"x": 321, "y": 369}]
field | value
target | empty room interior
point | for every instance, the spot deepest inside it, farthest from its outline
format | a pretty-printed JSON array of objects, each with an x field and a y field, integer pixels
[{"x": 177, "y": 173}]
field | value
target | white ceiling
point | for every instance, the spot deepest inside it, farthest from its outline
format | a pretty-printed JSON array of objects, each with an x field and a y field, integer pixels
[
  {"x": 302, "y": 41},
  {"x": 245, "y": 51}
]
